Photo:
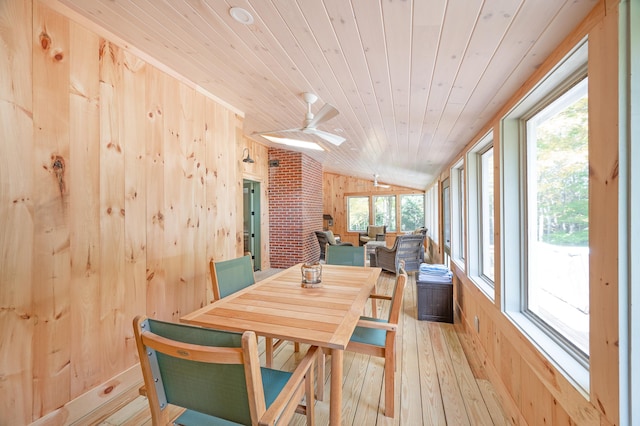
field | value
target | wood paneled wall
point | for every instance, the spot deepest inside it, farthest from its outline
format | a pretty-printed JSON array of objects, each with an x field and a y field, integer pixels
[
  {"x": 336, "y": 188},
  {"x": 116, "y": 186},
  {"x": 533, "y": 391}
]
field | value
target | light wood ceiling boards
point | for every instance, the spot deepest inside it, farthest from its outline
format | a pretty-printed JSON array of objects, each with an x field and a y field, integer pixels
[{"x": 414, "y": 81}]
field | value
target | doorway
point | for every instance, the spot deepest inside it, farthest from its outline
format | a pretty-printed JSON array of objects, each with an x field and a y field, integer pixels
[{"x": 251, "y": 227}]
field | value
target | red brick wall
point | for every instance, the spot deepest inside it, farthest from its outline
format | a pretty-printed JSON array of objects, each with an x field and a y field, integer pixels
[{"x": 295, "y": 208}]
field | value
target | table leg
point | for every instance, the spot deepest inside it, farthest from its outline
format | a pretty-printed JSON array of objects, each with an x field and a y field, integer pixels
[
  {"x": 268, "y": 348},
  {"x": 335, "y": 404}
]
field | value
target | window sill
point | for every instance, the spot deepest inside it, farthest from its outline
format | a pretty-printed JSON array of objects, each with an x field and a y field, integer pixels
[
  {"x": 574, "y": 371},
  {"x": 484, "y": 287}
]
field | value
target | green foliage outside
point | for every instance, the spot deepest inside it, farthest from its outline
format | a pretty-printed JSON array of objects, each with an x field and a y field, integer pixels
[
  {"x": 358, "y": 208},
  {"x": 385, "y": 211},
  {"x": 411, "y": 212},
  {"x": 563, "y": 177}
]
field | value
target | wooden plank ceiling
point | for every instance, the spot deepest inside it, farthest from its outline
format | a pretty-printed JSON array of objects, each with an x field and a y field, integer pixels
[{"x": 414, "y": 80}]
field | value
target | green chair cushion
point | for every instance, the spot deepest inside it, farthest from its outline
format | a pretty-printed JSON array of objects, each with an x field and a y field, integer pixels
[
  {"x": 193, "y": 418},
  {"x": 370, "y": 336},
  {"x": 273, "y": 381}
]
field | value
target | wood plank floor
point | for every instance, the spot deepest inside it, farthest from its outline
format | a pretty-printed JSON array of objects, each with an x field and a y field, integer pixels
[{"x": 437, "y": 383}]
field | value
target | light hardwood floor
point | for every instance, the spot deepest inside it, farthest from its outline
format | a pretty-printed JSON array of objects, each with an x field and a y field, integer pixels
[{"x": 438, "y": 383}]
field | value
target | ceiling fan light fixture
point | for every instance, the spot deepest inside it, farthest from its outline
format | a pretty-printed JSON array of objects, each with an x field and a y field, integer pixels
[{"x": 294, "y": 142}]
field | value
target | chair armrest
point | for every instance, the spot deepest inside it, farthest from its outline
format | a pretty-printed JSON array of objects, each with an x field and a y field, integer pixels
[
  {"x": 380, "y": 237},
  {"x": 379, "y": 325},
  {"x": 283, "y": 400},
  {"x": 380, "y": 296}
]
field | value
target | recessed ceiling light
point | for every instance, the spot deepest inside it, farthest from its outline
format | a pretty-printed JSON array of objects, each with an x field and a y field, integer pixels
[{"x": 241, "y": 15}]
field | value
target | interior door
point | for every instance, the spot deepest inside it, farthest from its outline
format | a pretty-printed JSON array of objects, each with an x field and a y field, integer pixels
[{"x": 251, "y": 227}]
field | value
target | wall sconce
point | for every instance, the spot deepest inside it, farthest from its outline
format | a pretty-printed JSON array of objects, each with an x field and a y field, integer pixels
[
  {"x": 328, "y": 219},
  {"x": 248, "y": 158}
]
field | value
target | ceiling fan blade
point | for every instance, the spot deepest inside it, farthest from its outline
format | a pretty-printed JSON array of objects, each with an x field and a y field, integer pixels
[
  {"x": 327, "y": 112},
  {"x": 329, "y": 137},
  {"x": 277, "y": 131}
]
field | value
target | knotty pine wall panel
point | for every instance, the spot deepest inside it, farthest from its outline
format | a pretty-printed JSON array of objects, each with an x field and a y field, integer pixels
[
  {"x": 51, "y": 214},
  {"x": 84, "y": 189},
  {"x": 17, "y": 321},
  {"x": 118, "y": 183}
]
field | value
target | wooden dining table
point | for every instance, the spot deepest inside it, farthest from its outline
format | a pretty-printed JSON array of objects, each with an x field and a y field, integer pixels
[{"x": 279, "y": 307}]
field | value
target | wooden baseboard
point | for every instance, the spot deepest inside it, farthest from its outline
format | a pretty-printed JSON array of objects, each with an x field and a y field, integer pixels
[{"x": 89, "y": 407}]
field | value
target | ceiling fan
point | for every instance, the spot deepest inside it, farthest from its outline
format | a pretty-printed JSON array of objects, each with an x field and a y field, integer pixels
[
  {"x": 377, "y": 184},
  {"x": 311, "y": 122}
]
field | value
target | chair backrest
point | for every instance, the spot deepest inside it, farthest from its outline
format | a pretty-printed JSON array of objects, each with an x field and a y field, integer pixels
[
  {"x": 397, "y": 296},
  {"x": 323, "y": 240},
  {"x": 409, "y": 248},
  {"x": 229, "y": 276},
  {"x": 203, "y": 370},
  {"x": 344, "y": 255}
]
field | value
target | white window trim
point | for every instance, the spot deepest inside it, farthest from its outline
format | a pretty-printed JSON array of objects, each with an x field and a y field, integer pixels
[
  {"x": 474, "y": 218},
  {"x": 457, "y": 233},
  {"x": 512, "y": 182}
]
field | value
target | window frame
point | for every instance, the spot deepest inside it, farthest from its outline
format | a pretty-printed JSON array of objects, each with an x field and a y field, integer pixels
[
  {"x": 457, "y": 178},
  {"x": 513, "y": 211},
  {"x": 475, "y": 219}
]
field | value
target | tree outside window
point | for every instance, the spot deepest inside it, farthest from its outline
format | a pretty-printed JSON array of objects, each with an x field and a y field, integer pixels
[
  {"x": 384, "y": 210},
  {"x": 411, "y": 212}
]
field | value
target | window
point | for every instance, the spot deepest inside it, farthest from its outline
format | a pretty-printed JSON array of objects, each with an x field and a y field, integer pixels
[
  {"x": 480, "y": 220},
  {"x": 411, "y": 212},
  {"x": 446, "y": 220},
  {"x": 384, "y": 211},
  {"x": 457, "y": 214},
  {"x": 431, "y": 213},
  {"x": 545, "y": 216},
  {"x": 557, "y": 196},
  {"x": 357, "y": 213}
]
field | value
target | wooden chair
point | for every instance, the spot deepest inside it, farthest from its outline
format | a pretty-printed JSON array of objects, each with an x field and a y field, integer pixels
[
  {"x": 344, "y": 255},
  {"x": 377, "y": 337},
  {"x": 216, "y": 376},
  {"x": 230, "y": 276}
]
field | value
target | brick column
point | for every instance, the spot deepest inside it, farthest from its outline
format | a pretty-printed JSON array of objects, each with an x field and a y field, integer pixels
[{"x": 295, "y": 208}]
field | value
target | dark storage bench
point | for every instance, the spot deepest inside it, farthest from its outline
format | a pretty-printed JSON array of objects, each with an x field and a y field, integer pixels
[{"x": 435, "y": 301}]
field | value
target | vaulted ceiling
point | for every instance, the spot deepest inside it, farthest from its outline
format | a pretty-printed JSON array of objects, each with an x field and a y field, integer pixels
[{"x": 414, "y": 80}]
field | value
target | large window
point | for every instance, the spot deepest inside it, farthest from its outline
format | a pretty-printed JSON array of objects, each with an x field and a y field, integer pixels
[
  {"x": 384, "y": 211},
  {"x": 545, "y": 216},
  {"x": 557, "y": 217},
  {"x": 481, "y": 250},
  {"x": 357, "y": 213},
  {"x": 411, "y": 212},
  {"x": 363, "y": 210}
]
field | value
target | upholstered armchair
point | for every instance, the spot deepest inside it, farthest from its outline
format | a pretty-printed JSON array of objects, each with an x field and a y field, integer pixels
[
  {"x": 327, "y": 237},
  {"x": 406, "y": 247},
  {"x": 374, "y": 233}
]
